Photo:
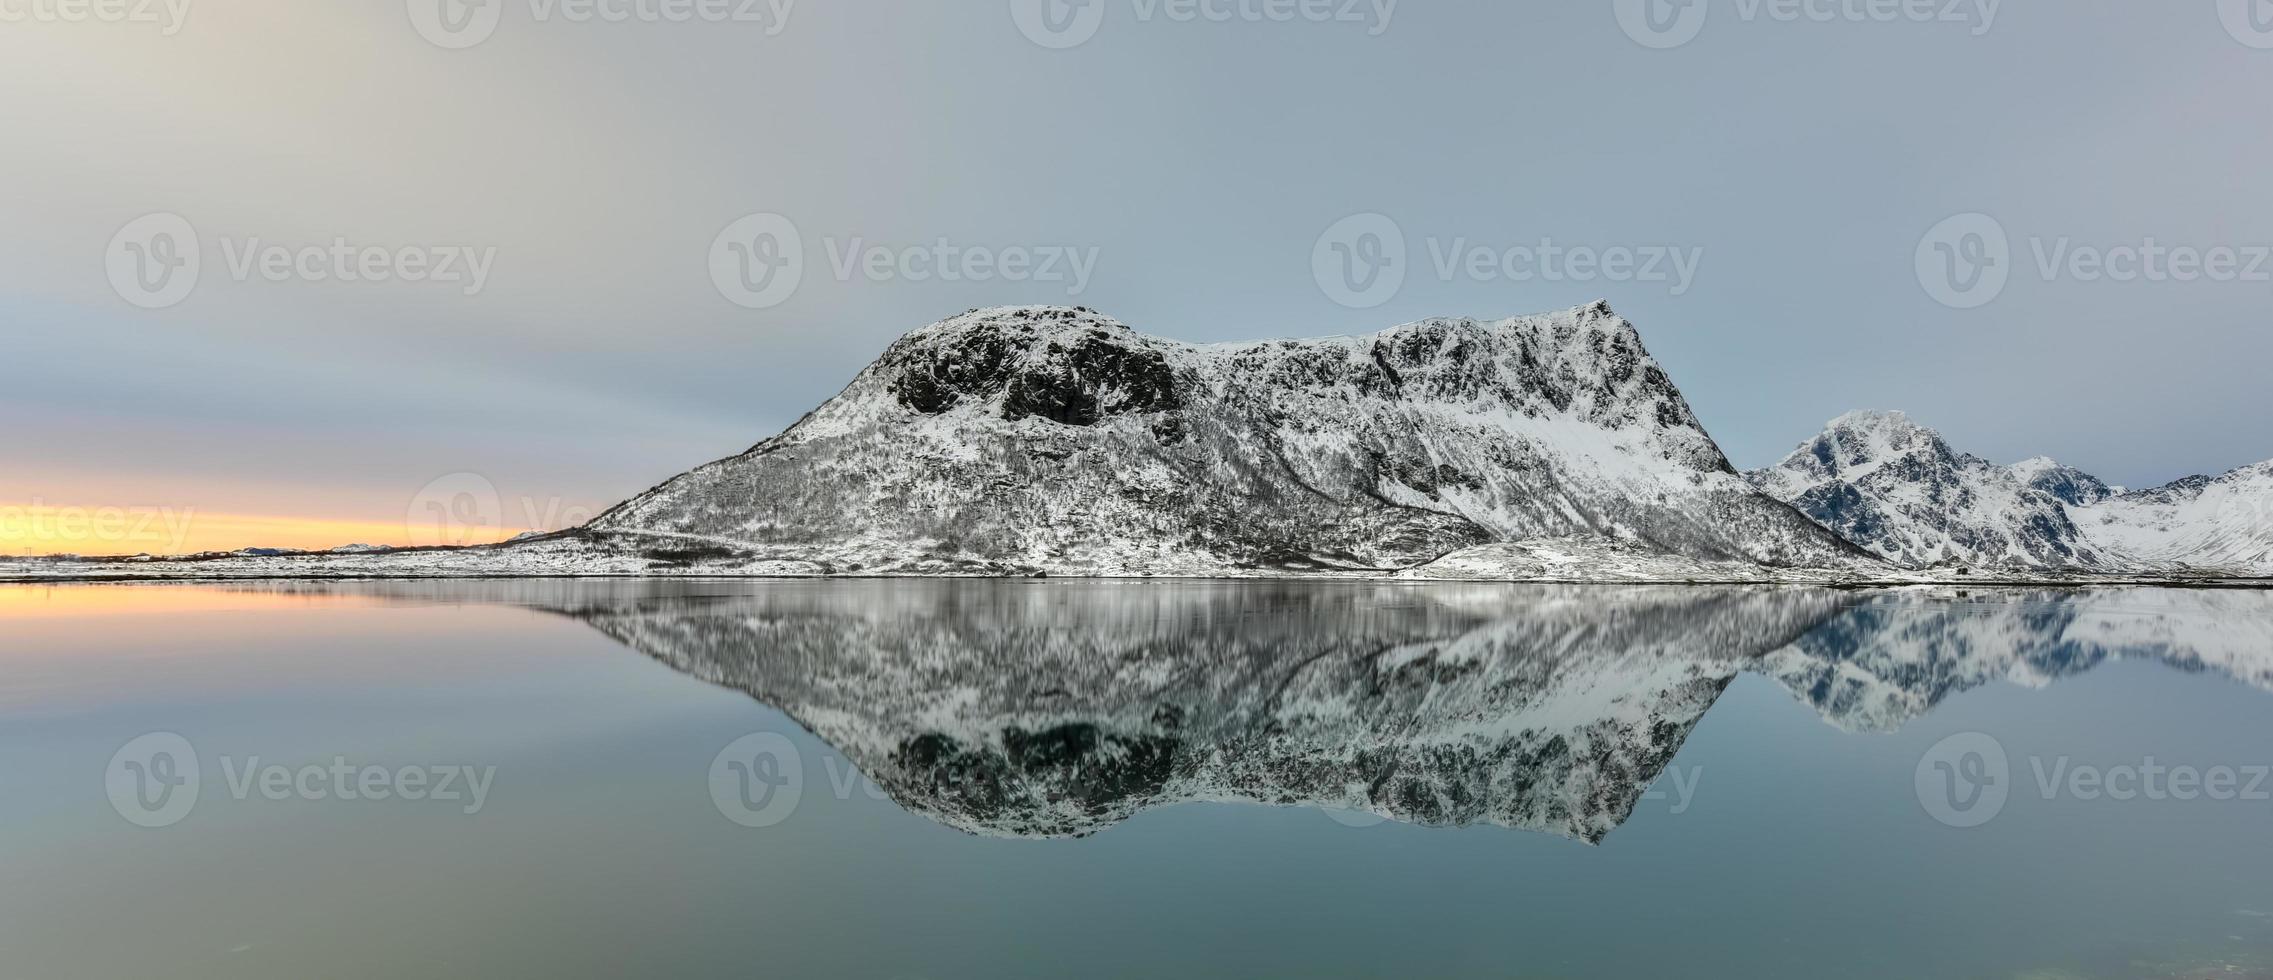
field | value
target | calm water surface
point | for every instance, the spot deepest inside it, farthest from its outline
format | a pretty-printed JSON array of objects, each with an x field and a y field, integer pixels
[{"x": 1054, "y": 779}]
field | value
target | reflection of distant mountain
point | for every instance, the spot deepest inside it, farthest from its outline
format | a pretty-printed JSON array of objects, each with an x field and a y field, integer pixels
[
  {"x": 1895, "y": 656},
  {"x": 1058, "y": 710}
]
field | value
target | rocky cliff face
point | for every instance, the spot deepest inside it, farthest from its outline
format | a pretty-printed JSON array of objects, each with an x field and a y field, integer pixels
[{"x": 1061, "y": 441}]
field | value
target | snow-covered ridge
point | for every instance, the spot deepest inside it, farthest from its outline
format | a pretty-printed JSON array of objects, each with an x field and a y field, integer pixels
[
  {"x": 1041, "y": 439},
  {"x": 2068, "y": 484},
  {"x": 1897, "y": 488},
  {"x": 1048, "y": 440},
  {"x": 2218, "y": 524}
]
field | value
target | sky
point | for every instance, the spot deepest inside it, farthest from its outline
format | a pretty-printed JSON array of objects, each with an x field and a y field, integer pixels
[{"x": 412, "y": 271}]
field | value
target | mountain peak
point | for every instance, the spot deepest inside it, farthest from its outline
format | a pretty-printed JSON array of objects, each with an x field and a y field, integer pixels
[
  {"x": 1853, "y": 446},
  {"x": 1876, "y": 420},
  {"x": 1059, "y": 440},
  {"x": 1039, "y": 320},
  {"x": 2071, "y": 485},
  {"x": 1896, "y": 487}
]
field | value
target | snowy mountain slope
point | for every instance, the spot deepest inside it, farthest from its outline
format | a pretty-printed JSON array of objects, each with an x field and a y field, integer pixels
[
  {"x": 1062, "y": 708},
  {"x": 2222, "y": 524},
  {"x": 1057, "y": 440},
  {"x": 1895, "y": 487},
  {"x": 2067, "y": 484}
]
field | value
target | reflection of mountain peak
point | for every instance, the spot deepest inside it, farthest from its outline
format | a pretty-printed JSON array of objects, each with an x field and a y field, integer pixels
[{"x": 1058, "y": 711}]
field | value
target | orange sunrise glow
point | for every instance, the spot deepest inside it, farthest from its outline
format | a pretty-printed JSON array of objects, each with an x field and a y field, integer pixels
[{"x": 50, "y": 529}]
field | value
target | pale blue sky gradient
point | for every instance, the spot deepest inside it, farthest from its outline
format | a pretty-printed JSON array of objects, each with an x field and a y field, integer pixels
[{"x": 1201, "y": 160}]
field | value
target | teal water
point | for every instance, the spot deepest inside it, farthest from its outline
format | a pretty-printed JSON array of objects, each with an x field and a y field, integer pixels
[{"x": 1057, "y": 779}]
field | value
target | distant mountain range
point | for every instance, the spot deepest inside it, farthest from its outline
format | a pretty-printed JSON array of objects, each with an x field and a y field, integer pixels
[
  {"x": 1056, "y": 441},
  {"x": 1896, "y": 487}
]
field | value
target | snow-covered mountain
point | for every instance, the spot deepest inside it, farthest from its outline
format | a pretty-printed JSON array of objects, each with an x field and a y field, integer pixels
[
  {"x": 2068, "y": 484},
  {"x": 1898, "y": 489},
  {"x": 2214, "y": 524},
  {"x": 1058, "y": 440},
  {"x": 1048, "y": 440},
  {"x": 1895, "y": 487}
]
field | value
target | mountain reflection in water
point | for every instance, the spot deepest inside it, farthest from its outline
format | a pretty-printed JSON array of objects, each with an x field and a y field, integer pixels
[{"x": 1058, "y": 709}]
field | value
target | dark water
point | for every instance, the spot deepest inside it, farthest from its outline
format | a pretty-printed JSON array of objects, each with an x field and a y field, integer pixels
[{"x": 988, "y": 780}]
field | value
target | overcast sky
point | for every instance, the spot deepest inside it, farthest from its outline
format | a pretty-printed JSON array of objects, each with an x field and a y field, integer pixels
[{"x": 1772, "y": 180}]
